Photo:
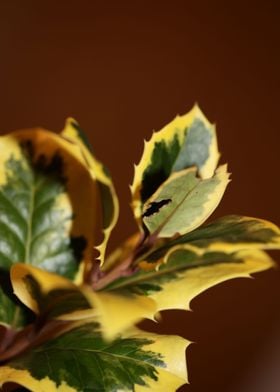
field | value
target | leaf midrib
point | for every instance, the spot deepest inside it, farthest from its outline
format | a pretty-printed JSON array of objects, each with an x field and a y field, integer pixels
[
  {"x": 30, "y": 221},
  {"x": 156, "y": 274},
  {"x": 177, "y": 206},
  {"x": 100, "y": 352}
]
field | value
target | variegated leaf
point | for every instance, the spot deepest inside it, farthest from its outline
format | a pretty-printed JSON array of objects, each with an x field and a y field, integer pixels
[
  {"x": 53, "y": 296},
  {"x": 42, "y": 179},
  {"x": 187, "y": 141},
  {"x": 109, "y": 201},
  {"x": 233, "y": 232},
  {"x": 116, "y": 312},
  {"x": 81, "y": 361},
  {"x": 49, "y": 294},
  {"x": 184, "y": 202},
  {"x": 227, "y": 234},
  {"x": 39, "y": 194},
  {"x": 187, "y": 271}
]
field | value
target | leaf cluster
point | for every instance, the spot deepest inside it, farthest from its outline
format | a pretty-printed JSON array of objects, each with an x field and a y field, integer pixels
[{"x": 68, "y": 315}]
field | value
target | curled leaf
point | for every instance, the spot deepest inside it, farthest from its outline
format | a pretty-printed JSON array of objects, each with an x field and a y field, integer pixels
[
  {"x": 108, "y": 197},
  {"x": 48, "y": 294},
  {"x": 116, "y": 312}
]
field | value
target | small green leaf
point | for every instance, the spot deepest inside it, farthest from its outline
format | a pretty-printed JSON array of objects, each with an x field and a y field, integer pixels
[
  {"x": 81, "y": 361},
  {"x": 184, "y": 202}
]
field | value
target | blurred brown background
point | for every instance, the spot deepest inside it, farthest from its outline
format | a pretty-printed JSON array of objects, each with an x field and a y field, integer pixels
[{"x": 124, "y": 68}]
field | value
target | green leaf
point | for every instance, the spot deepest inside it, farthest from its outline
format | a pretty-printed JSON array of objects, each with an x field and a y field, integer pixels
[
  {"x": 187, "y": 141},
  {"x": 33, "y": 225},
  {"x": 81, "y": 361},
  {"x": 184, "y": 202},
  {"x": 39, "y": 198},
  {"x": 12, "y": 313},
  {"x": 46, "y": 219}
]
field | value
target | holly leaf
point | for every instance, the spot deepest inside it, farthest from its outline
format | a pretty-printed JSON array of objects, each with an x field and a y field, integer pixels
[
  {"x": 43, "y": 218},
  {"x": 178, "y": 270},
  {"x": 186, "y": 271},
  {"x": 49, "y": 295},
  {"x": 81, "y": 360},
  {"x": 38, "y": 198},
  {"x": 118, "y": 311},
  {"x": 170, "y": 280},
  {"x": 232, "y": 233},
  {"x": 184, "y": 202},
  {"x": 108, "y": 198},
  {"x": 187, "y": 141},
  {"x": 53, "y": 297}
]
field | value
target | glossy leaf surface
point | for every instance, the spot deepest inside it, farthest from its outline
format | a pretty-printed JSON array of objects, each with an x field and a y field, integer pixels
[{"x": 81, "y": 361}]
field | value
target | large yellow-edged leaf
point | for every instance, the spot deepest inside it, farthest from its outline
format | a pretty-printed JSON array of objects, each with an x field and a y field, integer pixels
[
  {"x": 177, "y": 294},
  {"x": 177, "y": 271},
  {"x": 188, "y": 140},
  {"x": 80, "y": 360},
  {"x": 227, "y": 234},
  {"x": 184, "y": 202},
  {"x": 47, "y": 219},
  {"x": 109, "y": 201},
  {"x": 187, "y": 271}
]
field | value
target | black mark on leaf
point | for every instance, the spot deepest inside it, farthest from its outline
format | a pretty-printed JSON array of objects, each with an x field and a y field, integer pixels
[{"x": 155, "y": 206}]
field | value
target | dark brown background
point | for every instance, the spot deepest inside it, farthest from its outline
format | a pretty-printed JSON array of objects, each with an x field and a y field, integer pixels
[{"x": 125, "y": 68}]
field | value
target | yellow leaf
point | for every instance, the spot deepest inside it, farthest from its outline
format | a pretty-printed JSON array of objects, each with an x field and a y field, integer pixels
[
  {"x": 108, "y": 195},
  {"x": 25, "y": 379},
  {"x": 172, "y": 350},
  {"x": 178, "y": 293},
  {"x": 118, "y": 312},
  {"x": 46, "y": 281}
]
